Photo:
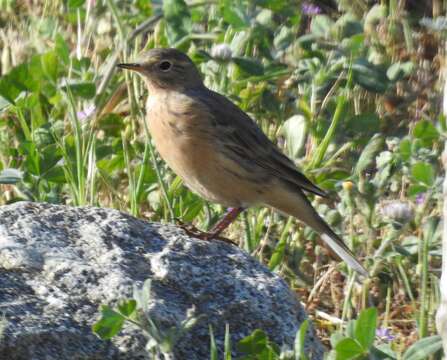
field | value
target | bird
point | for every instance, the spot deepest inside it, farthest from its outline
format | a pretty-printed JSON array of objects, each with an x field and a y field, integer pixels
[{"x": 220, "y": 152}]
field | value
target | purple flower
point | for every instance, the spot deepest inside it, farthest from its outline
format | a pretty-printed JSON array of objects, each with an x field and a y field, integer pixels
[
  {"x": 86, "y": 113},
  {"x": 384, "y": 334},
  {"x": 420, "y": 198},
  {"x": 310, "y": 9}
]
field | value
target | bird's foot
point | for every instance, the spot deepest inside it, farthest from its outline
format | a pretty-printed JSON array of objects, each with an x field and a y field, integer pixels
[{"x": 194, "y": 232}]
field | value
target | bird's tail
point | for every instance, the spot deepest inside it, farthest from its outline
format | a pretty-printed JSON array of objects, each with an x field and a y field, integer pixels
[
  {"x": 343, "y": 252},
  {"x": 296, "y": 204}
]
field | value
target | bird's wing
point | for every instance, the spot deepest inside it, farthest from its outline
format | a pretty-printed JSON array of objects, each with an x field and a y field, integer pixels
[{"x": 243, "y": 140}]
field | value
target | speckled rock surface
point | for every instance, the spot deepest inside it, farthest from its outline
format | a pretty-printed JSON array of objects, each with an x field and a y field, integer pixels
[{"x": 58, "y": 264}]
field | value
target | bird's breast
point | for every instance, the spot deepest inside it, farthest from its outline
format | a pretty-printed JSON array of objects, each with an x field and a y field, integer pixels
[
  {"x": 179, "y": 137},
  {"x": 182, "y": 139},
  {"x": 184, "y": 136}
]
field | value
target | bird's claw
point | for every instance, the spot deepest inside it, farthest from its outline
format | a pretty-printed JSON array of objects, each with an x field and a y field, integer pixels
[{"x": 194, "y": 232}]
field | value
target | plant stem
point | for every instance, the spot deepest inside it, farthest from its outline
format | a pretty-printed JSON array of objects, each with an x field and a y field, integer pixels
[
  {"x": 322, "y": 148},
  {"x": 429, "y": 231}
]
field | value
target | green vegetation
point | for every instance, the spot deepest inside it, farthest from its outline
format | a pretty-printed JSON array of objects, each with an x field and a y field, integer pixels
[{"x": 350, "y": 90}]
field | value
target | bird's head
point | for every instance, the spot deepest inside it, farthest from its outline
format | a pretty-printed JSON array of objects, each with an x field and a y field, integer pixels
[{"x": 166, "y": 69}]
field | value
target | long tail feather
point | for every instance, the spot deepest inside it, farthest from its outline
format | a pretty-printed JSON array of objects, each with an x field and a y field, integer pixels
[
  {"x": 293, "y": 202},
  {"x": 344, "y": 253}
]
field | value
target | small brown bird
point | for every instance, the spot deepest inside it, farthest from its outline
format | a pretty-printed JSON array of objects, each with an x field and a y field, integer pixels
[{"x": 219, "y": 151}]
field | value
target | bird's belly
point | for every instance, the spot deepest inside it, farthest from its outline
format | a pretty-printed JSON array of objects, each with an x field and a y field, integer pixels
[{"x": 198, "y": 162}]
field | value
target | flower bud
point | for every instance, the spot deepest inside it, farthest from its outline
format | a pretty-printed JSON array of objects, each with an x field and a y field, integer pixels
[
  {"x": 221, "y": 52},
  {"x": 398, "y": 211},
  {"x": 347, "y": 185}
]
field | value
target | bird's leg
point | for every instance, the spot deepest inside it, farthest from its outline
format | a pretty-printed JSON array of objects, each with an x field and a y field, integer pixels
[
  {"x": 217, "y": 229},
  {"x": 229, "y": 217}
]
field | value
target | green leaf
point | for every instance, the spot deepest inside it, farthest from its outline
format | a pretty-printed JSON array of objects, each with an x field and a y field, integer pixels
[
  {"x": 254, "y": 343},
  {"x": 248, "y": 65},
  {"x": 283, "y": 38},
  {"x": 127, "y": 307},
  {"x": 369, "y": 76},
  {"x": 348, "y": 349},
  {"x": 329, "y": 177},
  {"x": 321, "y": 25},
  {"x": 11, "y": 84},
  {"x": 383, "y": 352},
  {"x": 49, "y": 156},
  {"x": 227, "y": 343},
  {"x": 355, "y": 44},
  {"x": 49, "y": 63},
  {"x": 425, "y": 131},
  {"x": 233, "y": 15},
  {"x": 275, "y": 5},
  {"x": 110, "y": 164},
  {"x": 384, "y": 163},
  {"x": 347, "y": 25},
  {"x": 399, "y": 70},
  {"x": 365, "y": 327},
  {"x": 423, "y": 348},
  {"x": 178, "y": 20},
  {"x": 322, "y": 148},
  {"x": 336, "y": 337},
  {"x": 300, "y": 338},
  {"x": 278, "y": 254},
  {"x": 414, "y": 189},
  {"x": 376, "y": 14},
  {"x": 405, "y": 149},
  {"x": 10, "y": 176},
  {"x": 366, "y": 122},
  {"x": 423, "y": 173},
  {"x": 35, "y": 77},
  {"x": 199, "y": 56},
  {"x": 112, "y": 125},
  {"x": 361, "y": 127},
  {"x": 85, "y": 90},
  {"x": 56, "y": 175},
  {"x": 3, "y": 103},
  {"x": 213, "y": 347},
  {"x": 31, "y": 153},
  {"x": 306, "y": 41},
  {"x": 368, "y": 154},
  {"x": 294, "y": 130},
  {"x": 62, "y": 49},
  {"x": 145, "y": 7},
  {"x": 258, "y": 346},
  {"x": 350, "y": 329},
  {"x": 73, "y": 4},
  {"x": 110, "y": 323}
]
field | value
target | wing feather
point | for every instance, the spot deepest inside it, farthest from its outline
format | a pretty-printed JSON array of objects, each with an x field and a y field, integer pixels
[{"x": 242, "y": 138}]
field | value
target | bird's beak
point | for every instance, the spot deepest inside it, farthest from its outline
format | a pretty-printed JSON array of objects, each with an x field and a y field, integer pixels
[{"x": 133, "y": 66}]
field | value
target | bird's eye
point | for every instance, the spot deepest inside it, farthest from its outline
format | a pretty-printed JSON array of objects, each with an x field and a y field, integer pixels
[{"x": 165, "y": 66}]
